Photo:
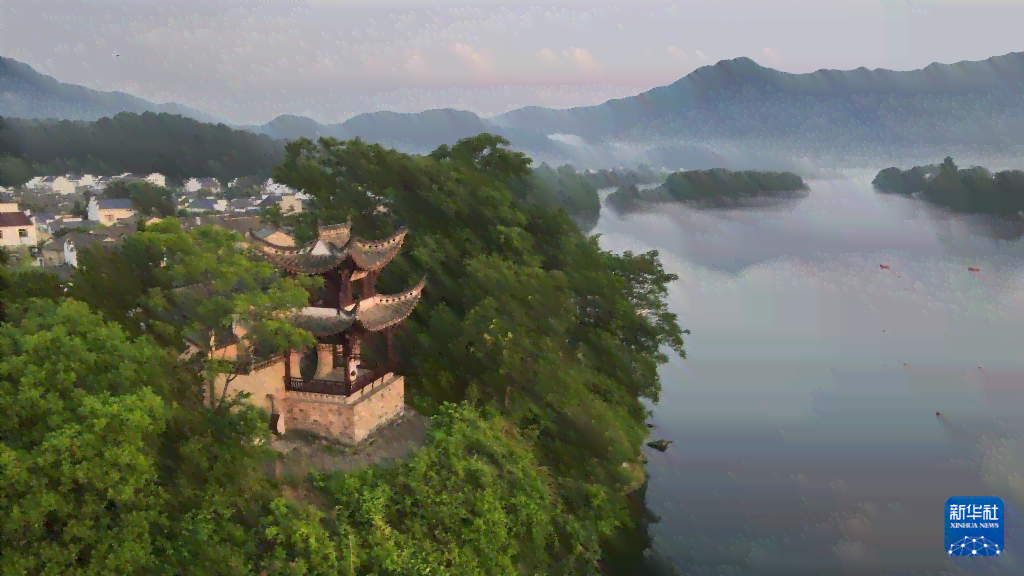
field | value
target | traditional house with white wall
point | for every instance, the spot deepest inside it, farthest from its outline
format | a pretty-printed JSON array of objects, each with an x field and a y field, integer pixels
[
  {"x": 17, "y": 230},
  {"x": 75, "y": 242},
  {"x": 287, "y": 202},
  {"x": 63, "y": 185},
  {"x": 108, "y": 211},
  {"x": 157, "y": 179},
  {"x": 196, "y": 184}
]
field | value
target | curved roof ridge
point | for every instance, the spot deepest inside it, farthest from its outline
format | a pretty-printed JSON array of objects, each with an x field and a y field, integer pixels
[
  {"x": 385, "y": 311},
  {"x": 374, "y": 255},
  {"x": 398, "y": 236},
  {"x": 334, "y": 233}
]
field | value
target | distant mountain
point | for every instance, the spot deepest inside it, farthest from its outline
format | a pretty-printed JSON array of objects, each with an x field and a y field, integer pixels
[
  {"x": 830, "y": 111},
  {"x": 735, "y": 114},
  {"x": 28, "y": 94}
]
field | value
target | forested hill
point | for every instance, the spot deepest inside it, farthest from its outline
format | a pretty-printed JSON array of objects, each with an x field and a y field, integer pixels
[
  {"x": 174, "y": 146},
  {"x": 534, "y": 351}
]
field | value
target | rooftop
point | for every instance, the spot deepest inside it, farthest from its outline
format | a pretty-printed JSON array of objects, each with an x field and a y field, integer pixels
[
  {"x": 115, "y": 204},
  {"x": 9, "y": 219}
]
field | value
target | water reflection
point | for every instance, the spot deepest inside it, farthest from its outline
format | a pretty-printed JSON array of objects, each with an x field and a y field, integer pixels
[{"x": 804, "y": 420}]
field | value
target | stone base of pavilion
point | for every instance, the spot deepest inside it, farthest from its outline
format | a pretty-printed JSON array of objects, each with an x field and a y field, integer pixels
[
  {"x": 323, "y": 405},
  {"x": 349, "y": 419}
]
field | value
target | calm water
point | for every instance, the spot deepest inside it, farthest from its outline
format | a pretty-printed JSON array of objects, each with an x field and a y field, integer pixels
[{"x": 806, "y": 440}]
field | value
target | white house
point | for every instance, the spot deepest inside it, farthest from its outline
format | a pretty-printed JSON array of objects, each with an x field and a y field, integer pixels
[
  {"x": 16, "y": 229},
  {"x": 195, "y": 184},
  {"x": 157, "y": 179},
  {"x": 6, "y": 207},
  {"x": 75, "y": 242},
  {"x": 107, "y": 211},
  {"x": 63, "y": 185}
]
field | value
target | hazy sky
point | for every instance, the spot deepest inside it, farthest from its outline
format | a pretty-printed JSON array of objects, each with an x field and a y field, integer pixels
[{"x": 249, "y": 61}]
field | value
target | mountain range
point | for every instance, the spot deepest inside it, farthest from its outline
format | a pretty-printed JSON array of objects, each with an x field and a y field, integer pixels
[{"x": 733, "y": 114}]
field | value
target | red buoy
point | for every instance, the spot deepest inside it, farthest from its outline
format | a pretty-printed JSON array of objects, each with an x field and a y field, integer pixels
[
  {"x": 883, "y": 266},
  {"x": 974, "y": 269}
]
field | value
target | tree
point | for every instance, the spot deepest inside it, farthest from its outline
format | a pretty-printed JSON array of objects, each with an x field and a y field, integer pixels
[
  {"x": 215, "y": 285},
  {"x": 105, "y": 471},
  {"x": 147, "y": 198},
  {"x": 475, "y": 503},
  {"x": 78, "y": 480}
]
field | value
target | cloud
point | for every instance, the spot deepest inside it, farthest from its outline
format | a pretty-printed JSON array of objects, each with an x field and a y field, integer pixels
[
  {"x": 479, "y": 59},
  {"x": 771, "y": 55},
  {"x": 583, "y": 58},
  {"x": 547, "y": 56},
  {"x": 675, "y": 52}
]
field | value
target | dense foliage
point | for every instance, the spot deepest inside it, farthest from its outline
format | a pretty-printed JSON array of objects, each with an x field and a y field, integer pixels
[
  {"x": 532, "y": 348},
  {"x": 971, "y": 190},
  {"x": 172, "y": 145}
]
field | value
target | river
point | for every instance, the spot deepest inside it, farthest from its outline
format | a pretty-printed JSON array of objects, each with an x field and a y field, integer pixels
[{"x": 806, "y": 439}]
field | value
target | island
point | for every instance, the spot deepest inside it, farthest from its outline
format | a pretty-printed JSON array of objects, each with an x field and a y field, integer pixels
[
  {"x": 714, "y": 188},
  {"x": 972, "y": 190}
]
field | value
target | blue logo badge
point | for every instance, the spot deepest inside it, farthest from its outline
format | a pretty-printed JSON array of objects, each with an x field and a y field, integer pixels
[{"x": 974, "y": 526}]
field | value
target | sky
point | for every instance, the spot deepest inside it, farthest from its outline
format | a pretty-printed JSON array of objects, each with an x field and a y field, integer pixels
[{"x": 249, "y": 61}]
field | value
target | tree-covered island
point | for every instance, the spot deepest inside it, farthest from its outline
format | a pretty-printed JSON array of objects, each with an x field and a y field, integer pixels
[
  {"x": 971, "y": 190},
  {"x": 712, "y": 188}
]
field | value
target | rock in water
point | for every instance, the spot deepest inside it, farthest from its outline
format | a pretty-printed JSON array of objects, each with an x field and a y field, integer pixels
[{"x": 660, "y": 445}]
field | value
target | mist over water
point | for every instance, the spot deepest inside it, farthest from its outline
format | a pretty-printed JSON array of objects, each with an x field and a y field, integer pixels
[{"x": 806, "y": 439}]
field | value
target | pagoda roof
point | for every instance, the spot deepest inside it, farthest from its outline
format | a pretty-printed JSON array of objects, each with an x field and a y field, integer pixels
[
  {"x": 370, "y": 255},
  {"x": 336, "y": 235},
  {"x": 374, "y": 255},
  {"x": 382, "y": 311},
  {"x": 322, "y": 322}
]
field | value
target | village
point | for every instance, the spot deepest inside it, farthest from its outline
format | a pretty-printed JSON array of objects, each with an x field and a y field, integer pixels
[{"x": 39, "y": 223}]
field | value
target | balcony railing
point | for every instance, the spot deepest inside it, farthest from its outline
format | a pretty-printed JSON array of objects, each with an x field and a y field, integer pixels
[{"x": 336, "y": 387}]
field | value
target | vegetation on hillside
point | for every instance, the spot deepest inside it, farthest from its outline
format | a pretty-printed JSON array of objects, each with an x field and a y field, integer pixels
[
  {"x": 172, "y": 145},
  {"x": 532, "y": 348},
  {"x": 971, "y": 190}
]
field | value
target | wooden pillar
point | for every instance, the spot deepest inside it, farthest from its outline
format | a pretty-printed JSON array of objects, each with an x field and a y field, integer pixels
[
  {"x": 345, "y": 288},
  {"x": 287, "y": 366},
  {"x": 370, "y": 284},
  {"x": 332, "y": 289},
  {"x": 346, "y": 352},
  {"x": 354, "y": 349},
  {"x": 334, "y": 356}
]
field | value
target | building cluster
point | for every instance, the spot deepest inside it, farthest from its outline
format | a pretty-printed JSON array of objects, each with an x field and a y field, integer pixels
[{"x": 69, "y": 212}]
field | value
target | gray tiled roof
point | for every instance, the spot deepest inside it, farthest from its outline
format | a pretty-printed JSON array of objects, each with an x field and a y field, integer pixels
[{"x": 115, "y": 204}]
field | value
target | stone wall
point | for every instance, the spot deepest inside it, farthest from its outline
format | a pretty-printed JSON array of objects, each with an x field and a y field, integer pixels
[
  {"x": 377, "y": 405},
  {"x": 265, "y": 386},
  {"x": 350, "y": 419},
  {"x": 323, "y": 414}
]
